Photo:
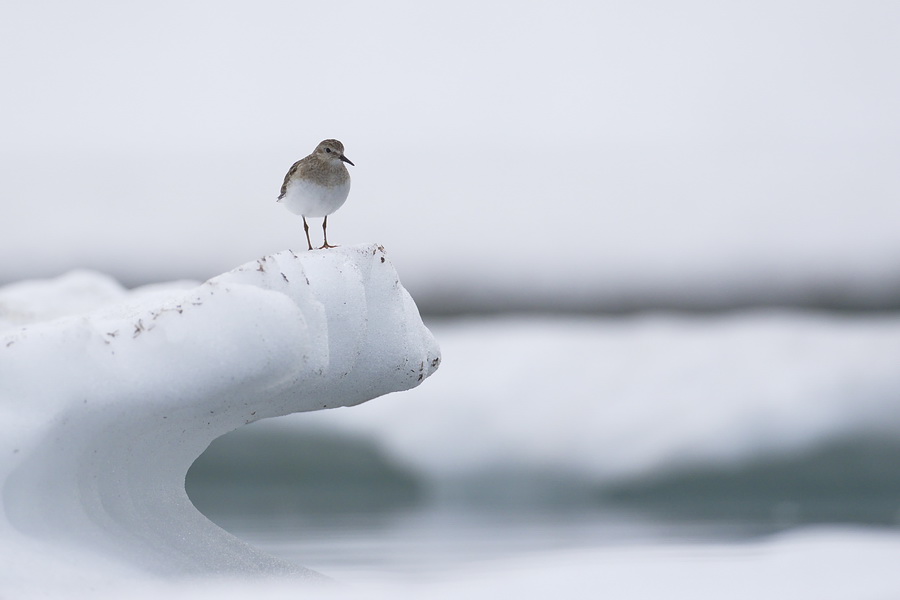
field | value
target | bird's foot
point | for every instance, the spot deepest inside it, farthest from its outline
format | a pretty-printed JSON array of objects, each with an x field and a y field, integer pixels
[{"x": 325, "y": 245}]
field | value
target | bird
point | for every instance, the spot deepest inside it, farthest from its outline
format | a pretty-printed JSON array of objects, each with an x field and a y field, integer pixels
[{"x": 317, "y": 185}]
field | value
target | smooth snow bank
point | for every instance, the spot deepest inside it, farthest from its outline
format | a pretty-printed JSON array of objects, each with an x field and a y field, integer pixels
[{"x": 102, "y": 413}]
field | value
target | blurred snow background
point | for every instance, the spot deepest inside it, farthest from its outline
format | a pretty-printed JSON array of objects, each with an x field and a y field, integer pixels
[{"x": 596, "y": 154}]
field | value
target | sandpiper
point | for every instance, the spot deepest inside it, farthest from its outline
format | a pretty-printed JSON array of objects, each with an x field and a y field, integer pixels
[{"x": 317, "y": 185}]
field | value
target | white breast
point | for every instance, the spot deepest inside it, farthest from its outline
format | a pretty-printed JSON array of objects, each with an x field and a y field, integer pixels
[{"x": 313, "y": 200}]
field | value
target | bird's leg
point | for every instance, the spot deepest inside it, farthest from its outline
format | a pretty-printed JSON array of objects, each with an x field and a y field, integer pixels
[
  {"x": 306, "y": 229},
  {"x": 325, "y": 235}
]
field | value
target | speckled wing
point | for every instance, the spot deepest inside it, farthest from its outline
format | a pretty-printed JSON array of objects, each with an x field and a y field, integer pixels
[{"x": 294, "y": 168}]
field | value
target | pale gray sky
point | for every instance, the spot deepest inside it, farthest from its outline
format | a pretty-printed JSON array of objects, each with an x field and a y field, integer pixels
[{"x": 510, "y": 142}]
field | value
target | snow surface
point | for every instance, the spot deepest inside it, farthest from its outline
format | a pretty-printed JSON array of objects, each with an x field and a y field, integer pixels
[
  {"x": 824, "y": 564},
  {"x": 102, "y": 412}
]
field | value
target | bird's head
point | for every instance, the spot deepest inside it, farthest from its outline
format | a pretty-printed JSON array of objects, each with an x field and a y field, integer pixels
[{"x": 332, "y": 151}]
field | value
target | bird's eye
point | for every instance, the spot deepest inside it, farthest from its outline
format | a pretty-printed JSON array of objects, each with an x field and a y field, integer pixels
[{"x": 328, "y": 150}]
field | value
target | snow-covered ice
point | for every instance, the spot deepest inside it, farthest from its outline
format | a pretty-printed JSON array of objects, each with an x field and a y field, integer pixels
[
  {"x": 103, "y": 412},
  {"x": 608, "y": 398}
]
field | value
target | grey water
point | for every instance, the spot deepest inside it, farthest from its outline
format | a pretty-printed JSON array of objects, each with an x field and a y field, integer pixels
[
  {"x": 435, "y": 541},
  {"x": 340, "y": 505}
]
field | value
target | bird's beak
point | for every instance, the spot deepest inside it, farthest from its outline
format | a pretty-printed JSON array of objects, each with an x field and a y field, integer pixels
[{"x": 346, "y": 160}]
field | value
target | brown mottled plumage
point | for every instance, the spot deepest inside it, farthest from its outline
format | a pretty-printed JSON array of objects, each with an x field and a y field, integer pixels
[{"x": 317, "y": 185}]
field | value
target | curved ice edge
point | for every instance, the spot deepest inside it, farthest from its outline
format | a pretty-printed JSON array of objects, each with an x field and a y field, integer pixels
[{"x": 102, "y": 414}]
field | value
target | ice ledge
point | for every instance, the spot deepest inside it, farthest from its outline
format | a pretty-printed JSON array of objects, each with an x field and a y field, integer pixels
[{"x": 102, "y": 414}]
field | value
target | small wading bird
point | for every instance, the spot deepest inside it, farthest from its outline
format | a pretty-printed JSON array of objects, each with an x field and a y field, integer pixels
[{"x": 317, "y": 185}]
